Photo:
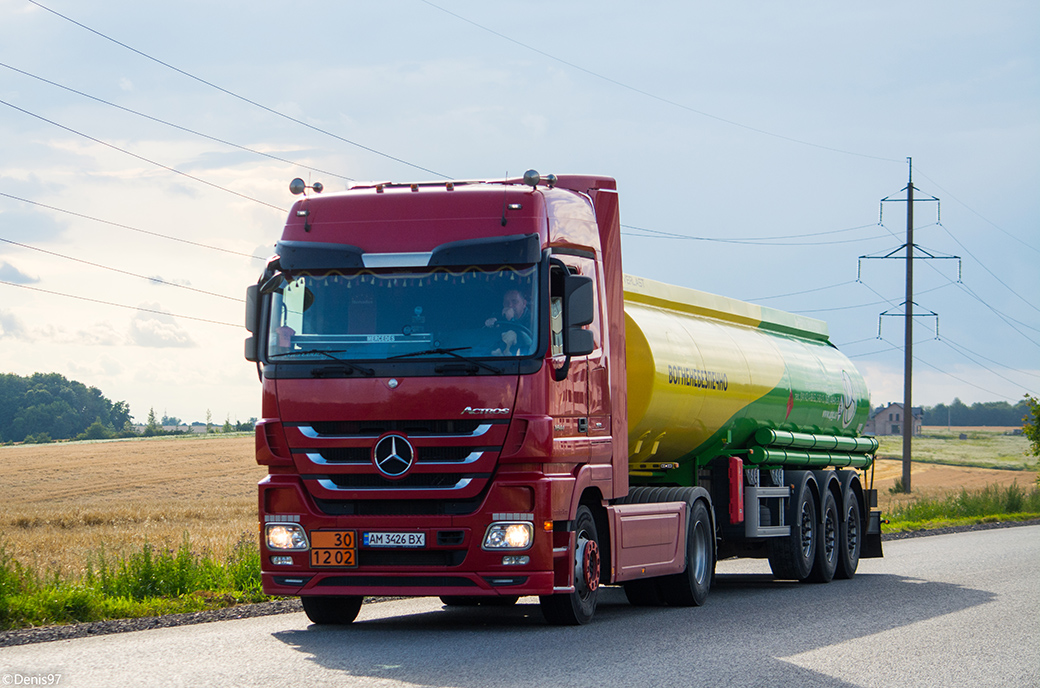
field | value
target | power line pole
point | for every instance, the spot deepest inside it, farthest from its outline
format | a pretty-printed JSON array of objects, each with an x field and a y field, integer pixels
[
  {"x": 908, "y": 331},
  {"x": 908, "y": 315}
]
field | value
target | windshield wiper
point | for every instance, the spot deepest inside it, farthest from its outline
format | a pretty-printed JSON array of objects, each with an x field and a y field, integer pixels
[
  {"x": 345, "y": 366},
  {"x": 449, "y": 352}
]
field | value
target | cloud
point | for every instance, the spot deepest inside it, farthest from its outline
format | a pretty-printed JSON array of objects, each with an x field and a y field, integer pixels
[
  {"x": 9, "y": 273},
  {"x": 10, "y": 326},
  {"x": 28, "y": 225},
  {"x": 156, "y": 330}
]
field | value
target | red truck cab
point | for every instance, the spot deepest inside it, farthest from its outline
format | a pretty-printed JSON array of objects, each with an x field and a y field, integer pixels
[{"x": 443, "y": 413}]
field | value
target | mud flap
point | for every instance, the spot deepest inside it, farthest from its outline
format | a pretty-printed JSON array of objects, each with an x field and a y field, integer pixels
[{"x": 872, "y": 540}]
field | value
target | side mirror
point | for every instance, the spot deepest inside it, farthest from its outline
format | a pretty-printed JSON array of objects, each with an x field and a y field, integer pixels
[
  {"x": 578, "y": 311},
  {"x": 252, "y": 322}
]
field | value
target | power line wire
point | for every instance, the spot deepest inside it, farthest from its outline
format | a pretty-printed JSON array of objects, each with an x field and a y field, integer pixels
[
  {"x": 153, "y": 280},
  {"x": 992, "y": 274},
  {"x": 798, "y": 293},
  {"x": 176, "y": 126},
  {"x": 236, "y": 95},
  {"x": 132, "y": 229},
  {"x": 648, "y": 94},
  {"x": 141, "y": 157},
  {"x": 119, "y": 305},
  {"x": 974, "y": 212},
  {"x": 755, "y": 241}
]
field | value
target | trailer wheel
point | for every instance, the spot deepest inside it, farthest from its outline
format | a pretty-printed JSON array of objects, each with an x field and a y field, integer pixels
[
  {"x": 849, "y": 542},
  {"x": 479, "y": 601},
  {"x": 792, "y": 557},
  {"x": 827, "y": 546},
  {"x": 690, "y": 588},
  {"x": 332, "y": 610},
  {"x": 578, "y": 607}
]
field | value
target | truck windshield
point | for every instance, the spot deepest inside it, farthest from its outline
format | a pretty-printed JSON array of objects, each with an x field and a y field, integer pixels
[{"x": 379, "y": 314}]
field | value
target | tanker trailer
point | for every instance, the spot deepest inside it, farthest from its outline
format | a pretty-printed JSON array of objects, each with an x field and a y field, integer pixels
[{"x": 757, "y": 406}]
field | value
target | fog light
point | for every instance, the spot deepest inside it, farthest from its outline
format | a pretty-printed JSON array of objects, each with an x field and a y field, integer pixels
[
  {"x": 286, "y": 536},
  {"x": 515, "y": 535},
  {"x": 283, "y": 560},
  {"x": 514, "y": 560}
]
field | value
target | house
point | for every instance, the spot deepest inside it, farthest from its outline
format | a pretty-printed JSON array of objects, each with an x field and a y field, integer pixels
[{"x": 888, "y": 420}]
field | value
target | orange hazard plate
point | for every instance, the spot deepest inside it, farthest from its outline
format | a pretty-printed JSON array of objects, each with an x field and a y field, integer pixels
[{"x": 334, "y": 548}]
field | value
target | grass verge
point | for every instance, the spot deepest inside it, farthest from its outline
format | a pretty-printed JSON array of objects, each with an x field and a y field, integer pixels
[
  {"x": 988, "y": 505},
  {"x": 149, "y": 582}
]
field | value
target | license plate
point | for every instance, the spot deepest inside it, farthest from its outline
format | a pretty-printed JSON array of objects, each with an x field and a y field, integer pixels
[
  {"x": 393, "y": 539},
  {"x": 334, "y": 548}
]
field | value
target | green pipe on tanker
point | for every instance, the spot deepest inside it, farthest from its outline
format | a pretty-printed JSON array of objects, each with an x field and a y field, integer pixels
[
  {"x": 793, "y": 458},
  {"x": 768, "y": 437}
]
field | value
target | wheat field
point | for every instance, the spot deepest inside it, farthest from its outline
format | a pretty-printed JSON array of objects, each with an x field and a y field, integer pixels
[{"x": 63, "y": 505}]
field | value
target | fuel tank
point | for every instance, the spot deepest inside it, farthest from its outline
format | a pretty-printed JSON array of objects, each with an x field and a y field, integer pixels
[{"x": 705, "y": 372}]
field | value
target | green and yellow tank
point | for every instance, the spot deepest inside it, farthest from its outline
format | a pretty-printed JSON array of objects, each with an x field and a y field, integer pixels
[{"x": 711, "y": 376}]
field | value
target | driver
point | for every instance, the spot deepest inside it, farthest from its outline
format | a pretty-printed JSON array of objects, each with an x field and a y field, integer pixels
[
  {"x": 515, "y": 312},
  {"x": 514, "y": 309}
]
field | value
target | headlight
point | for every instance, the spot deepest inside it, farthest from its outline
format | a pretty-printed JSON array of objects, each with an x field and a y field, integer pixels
[
  {"x": 286, "y": 536},
  {"x": 517, "y": 535}
]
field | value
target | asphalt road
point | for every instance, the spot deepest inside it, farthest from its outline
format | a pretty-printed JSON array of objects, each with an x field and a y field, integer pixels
[{"x": 950, "y": 610}]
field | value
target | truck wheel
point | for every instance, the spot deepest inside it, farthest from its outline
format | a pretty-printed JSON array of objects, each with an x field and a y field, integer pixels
[
  {"x": 792, "y": 557},
  {"x": 478, "y": 601},
  {"x": 332, "y": 610},
  {"x": 827, "y": 547},
  {"x": 849, "y": 543},
  {"x": 578, "y": 607},
  {"x": 644, "y": 593},
  {"x": 690, "y": 588}
]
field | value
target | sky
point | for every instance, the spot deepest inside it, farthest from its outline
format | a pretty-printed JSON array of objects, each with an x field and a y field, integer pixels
[{"x": 146, "y": 151}]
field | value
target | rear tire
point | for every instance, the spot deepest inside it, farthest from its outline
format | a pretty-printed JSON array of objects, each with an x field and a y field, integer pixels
[
  {"x": 690, "y": 588},
  {"x": 578, "y": 607},
  {"x": 792, "y": 557},
  {"x": 827, "y": 546},
  {"x": 332, "y": 610},
  {"x": 644, "y": 592},
  {"x": 849, "y": 541}
]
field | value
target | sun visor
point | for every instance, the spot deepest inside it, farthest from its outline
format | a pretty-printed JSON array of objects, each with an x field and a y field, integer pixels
[
  {"x": 309, "y": 255},
  {"x": 515, "y": 249}
]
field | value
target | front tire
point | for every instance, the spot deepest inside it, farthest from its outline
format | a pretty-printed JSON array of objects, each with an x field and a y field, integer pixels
[
  {"x": 332, "y": 610},
  {"x": 578, "y": 607}
]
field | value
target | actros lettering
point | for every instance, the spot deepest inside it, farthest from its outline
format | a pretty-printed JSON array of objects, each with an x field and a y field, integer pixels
[{"x": 469, "y": 410}]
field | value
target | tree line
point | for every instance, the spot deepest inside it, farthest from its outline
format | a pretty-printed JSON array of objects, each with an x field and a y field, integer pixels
[
  {"x": 992, "y": 413},
  {"x": 45, "y": 406}
]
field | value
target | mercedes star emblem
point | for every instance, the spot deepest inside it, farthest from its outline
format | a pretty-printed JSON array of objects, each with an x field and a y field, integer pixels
[{"x": 393, "y": 456}]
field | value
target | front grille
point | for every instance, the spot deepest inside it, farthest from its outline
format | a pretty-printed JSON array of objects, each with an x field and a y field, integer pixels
[
  {"x": 399, "y": 507},
  {"x": 353, "y": 455},
  {"x": 416, "y": 480},
  {"x": 374, "y": 428}
]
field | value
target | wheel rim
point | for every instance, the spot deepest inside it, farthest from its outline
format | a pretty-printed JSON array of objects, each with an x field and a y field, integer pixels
[
  {"x": 807, "y": 530},
  {"x": 700, "y": 552},
  {"x": 586, "y": 566},
  {"x": 852, "y": 530},
  {"x": 830, "y": 535}
]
